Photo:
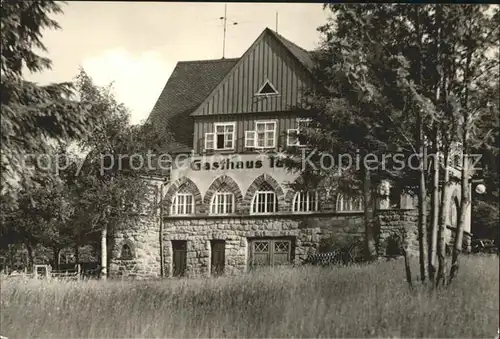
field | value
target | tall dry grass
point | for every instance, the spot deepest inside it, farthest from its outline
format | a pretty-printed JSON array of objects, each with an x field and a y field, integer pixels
[{"x": 370, "y": 301}]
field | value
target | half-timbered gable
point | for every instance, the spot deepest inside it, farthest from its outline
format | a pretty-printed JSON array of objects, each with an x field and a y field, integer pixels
[
  {"x": 255, "y": 98},
  {"x": 267, "y": 78}
]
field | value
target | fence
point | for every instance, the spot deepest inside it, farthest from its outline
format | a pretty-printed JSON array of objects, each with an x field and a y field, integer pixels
[
  {"x": 83, "y": 270},
  {"x": 45, "y": 271}
]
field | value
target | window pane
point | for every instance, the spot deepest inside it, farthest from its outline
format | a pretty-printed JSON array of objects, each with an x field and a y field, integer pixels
[
  {"x": 229, "y": 128},
  {"x": 270, "y": 126},
  {"x": 179, "y": 206},
  {"x": 220, "y": 140},
  {"x": 230, "y": 203},
  {"x": 219, "y": 129},
  {"x": 260, "y": 127},
  {"x": 270, "y": 202},
  {"x": 260, "y": 140},
  {"x": 262, "y": 202}
]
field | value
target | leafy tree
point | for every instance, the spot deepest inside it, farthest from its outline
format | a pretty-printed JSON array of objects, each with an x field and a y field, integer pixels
[
  {"x": 31, "y": 114},
  {"x": 106, "y": 187},
  {"x": 411, "y": 79},
  {"x": 41, "y": 210},
  {"x": 350, "y": 109}
]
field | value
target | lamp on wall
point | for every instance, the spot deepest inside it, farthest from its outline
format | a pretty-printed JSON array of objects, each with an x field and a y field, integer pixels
[{"x": 480, "y": 189}]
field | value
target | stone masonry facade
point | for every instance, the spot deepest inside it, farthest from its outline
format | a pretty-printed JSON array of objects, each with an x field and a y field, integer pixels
[{"x": 142, "y": 237}]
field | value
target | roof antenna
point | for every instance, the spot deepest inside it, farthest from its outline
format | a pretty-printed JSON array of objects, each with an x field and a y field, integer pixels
[
  {"x": 276, "y": 21},
  {"x": 224, "y": 18}
]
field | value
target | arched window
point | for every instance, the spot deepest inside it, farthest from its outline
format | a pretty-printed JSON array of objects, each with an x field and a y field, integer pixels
[
  {"x": 127, "y": 252},
  {"x": 264, "y": 200},
  {"x": 305, "y": 201},
  {"x": 349, "y": 204},
  {"x": 222, "y": 201},
  {"x": 183, "y": 202}
]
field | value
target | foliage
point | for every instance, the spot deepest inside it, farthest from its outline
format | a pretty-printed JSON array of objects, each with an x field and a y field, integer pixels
[
  {"x": 74, "y": 198},
  {"x": 397, "y": 78},
  {"x": 41, "y": 216},
  {"x": 32, "y": 114},
  {"x": 485, "y": 220}
]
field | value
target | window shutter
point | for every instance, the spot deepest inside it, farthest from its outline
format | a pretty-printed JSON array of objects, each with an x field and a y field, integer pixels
[
  {"x": 209, "y": 140},
  {"x": 250, "y": 139}
]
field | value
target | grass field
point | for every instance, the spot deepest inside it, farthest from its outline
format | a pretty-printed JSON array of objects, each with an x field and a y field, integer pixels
[{"x": 369, "y": 301}]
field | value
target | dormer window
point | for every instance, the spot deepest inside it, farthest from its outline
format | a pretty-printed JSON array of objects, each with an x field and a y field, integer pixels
[
  {"x": 222, "y": 138},
  {"x": 267, "y": 89},
  {"x": 264, "y": 135}
]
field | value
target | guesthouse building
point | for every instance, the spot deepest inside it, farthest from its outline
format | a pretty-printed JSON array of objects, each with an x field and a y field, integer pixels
[{"x": 227, "y": 205}]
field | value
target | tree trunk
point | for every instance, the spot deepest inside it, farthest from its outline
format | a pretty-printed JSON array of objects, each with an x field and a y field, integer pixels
[
  {"x": 162, "y": 263},
  {"x": 370, "y": 248},
  {"x": 422, "y": 193},
  {"x": 422, "y": 227},
  {"x": 435, "y": 164},
  {"x": 443, "y": 213},
  {"x": 464, "y": 206},
  {"x": 104, "y": 252},
  {"x": 77, "y": 254},
  {"x": 31, "y": 257},
  {"x": 465, "y": 198},
  {"x": 56, "y": 257},
  {"x": 434, "y": 209},
  {"x": 405, "y": 246}
]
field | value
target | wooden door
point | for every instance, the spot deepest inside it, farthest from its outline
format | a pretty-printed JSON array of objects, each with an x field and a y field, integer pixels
[
  {"x": 179, "y": 251},
  {"x": 218, "y": 256},
  {"x": 270, "y": 252}
]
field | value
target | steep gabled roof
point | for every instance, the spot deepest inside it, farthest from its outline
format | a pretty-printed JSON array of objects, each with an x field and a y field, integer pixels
[
  {"x": 303, "y": 56},
  {"x": 189, "y": 84},
  {"x": 192, "y": 82}
]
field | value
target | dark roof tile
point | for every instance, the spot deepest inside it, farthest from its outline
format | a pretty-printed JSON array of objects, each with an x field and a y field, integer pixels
[{"x": 189, "y": 84}]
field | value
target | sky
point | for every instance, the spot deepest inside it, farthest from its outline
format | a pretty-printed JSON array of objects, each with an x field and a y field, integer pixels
[{"x": 136, "y": 45}]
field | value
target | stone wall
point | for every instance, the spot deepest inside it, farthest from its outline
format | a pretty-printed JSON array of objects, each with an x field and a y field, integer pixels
[
  {"x": 394, "y": 224},
  {"x": 141, "y": 235},
  {"x": 306, "y": 231}
]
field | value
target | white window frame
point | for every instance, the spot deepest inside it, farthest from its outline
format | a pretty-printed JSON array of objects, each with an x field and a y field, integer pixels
[
  {"x": 175, "y": 206},
  {"x": 295, "y": 131},
  {"x": 265, "y": 193},
  {"x": 350, "y": 202},
  {"x": 250, "y": 139},
  {"x": 307, "y": 194},
  {"x": 256, "y": 123},
  {"x": 215, "y": 134},
  {"x": 209, "y": 141},
  {"x": 215, "y": 201},
  {"x": 267, "y": 94}
]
